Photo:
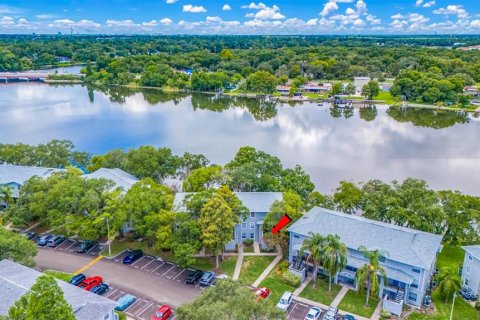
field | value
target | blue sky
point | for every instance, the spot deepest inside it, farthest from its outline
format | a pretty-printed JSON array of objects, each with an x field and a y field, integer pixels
[{"x": 241, "y": 17}]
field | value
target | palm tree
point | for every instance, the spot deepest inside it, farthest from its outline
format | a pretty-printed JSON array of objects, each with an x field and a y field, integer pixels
[
  {"x": 334, "y": 257},
  {"x": 314, "y": 245},
  {"x": 369, "y": 272},
  {"x": 448, "y": 283}
]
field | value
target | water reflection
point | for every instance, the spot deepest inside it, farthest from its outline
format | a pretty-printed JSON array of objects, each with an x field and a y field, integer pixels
[{"x": 330, "y": 143}]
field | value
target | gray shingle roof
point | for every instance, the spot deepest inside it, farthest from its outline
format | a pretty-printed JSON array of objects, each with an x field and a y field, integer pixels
[
  {"x": 19, "y": 174},
  {"x": 121, "y": 178},
  {"x": 16, "y": 280},
  {"x": 254, "y": 201},
  {"x": 412, "y": 247},
  {"x": 473, "y": 250}
]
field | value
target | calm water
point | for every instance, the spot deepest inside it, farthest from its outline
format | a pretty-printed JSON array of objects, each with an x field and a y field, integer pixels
[{"x": 330, "y": 144}]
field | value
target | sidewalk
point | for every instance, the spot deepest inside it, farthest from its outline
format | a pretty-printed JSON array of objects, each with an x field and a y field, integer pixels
[
  {"x": 302, "y": 286},
  {"x": 238, "y": 265},
  {"x": 339, "y": 297},
  {"x": 267, "y": 270}
]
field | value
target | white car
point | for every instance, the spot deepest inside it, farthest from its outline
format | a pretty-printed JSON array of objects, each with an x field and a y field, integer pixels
[
  {"x": 313, "y": 314},
  {"x": 285, "y": 301},
  {"x": 331, "y": 314}
]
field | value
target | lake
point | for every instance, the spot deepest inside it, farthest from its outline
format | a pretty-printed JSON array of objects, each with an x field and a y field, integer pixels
[{"x": 331, "y": 144}]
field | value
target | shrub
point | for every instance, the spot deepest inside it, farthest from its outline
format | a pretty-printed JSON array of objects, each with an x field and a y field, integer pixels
[
  {"x": 291, "y": 279},
  {"x": 248, "y": 242},
  {"x": 384, "y": 314},
  {"x": 477, "y": 305},
  {"x": 283, "y": 266}
]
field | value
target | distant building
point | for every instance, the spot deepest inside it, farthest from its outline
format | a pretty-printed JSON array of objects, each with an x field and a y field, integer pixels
[
  {"x": 471, "y": 268},
  {"x": 258, "y": 203},
  {"x": 121, "y": 178},
  {"x": 409, "y": 260},
  {"x": 283, "y": 90},
  {"x": 359, "y": 82},
  {"x": 470, "y": 48},
  {"x": 385, "y": 87},
  {"x": 63, "y": 59},
  {"x": 16, "y": 280},
  {"x": 475, "y": 91},
  {"x": 312, "y": 87}
]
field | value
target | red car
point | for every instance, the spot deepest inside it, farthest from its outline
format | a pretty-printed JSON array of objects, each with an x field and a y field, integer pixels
[
  {"x": 91, "y": 282},
  {"x": 262, "y": 292},
  {"x": 164, "y": 312}
]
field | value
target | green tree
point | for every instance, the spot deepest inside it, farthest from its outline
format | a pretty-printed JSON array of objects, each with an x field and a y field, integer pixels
[
  {"x": 296, "y": 180},
  {"x": 44, "y": 300},
  {"x": 314, "y": 246},
  {"x": 15, "y": 247},
  {"x": 337, "y": 88},
  {"x": 217, "y": 221},
  {"x": 369, "y": 273},
  {"x": 202, "y": 179},
  {"x": 261, "y": 82},
  {"x": 448, "y": 283},
  {"x": 348, "y": 197},
  {"x": 229, "y": 300},
  {"x": 334, "y": 257},
  {"x": 6, "y": 195},
  {"x": 351, "y": 90},
  {"x": 371, "y": 90}
]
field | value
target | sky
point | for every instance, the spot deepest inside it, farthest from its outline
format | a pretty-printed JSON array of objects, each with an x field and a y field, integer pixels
[{"x": 241, "y": 17}]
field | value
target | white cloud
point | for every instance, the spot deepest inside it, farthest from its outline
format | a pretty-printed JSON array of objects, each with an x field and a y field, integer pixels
[
  {"x": 398, "y": 24},
  {"x": 255, "y": 6},
  {"x": 193, "y": 9},
  {"x": 250, "y": 15},
  {"x": 226, "y": 7},
  {"x": 269, "y": 13},
  {"x": 361, "y": 7},
  {"x": 418, "y": 3},
  {"x": 68, "y": 23},
  {"x": 350, "y": 11},
  {"x": 397, "y": 16},
  {"x": 213, "y": 19},
  {"x": 45, "y": 16},
  {"x": 152, "y": 23},
  {"x": 121, "y": 23},
  {"x": 166, "y": 21},
  {"x": 171, "y": 1},
  {"x": 312, "y": 22},
  {"x": 373, "y": 20},
  {"x": 358, "y": 22},
  {"x": 457, "y": 10},
  {"x": 7, "y": 21},
  {"x": 329, "y": 7},
  {"x": 429, "y": 4},
  {"x": 475, "y": 24}
]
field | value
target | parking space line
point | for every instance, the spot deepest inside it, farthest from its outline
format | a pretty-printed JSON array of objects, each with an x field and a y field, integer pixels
[
  {"x": 179, "y": 274},
  {"x": 295, "y": 305},
  {"x": 173, "y": 266},
  {"x": 175, "y": 316},
  {"x": 144, "y": 309},
  {"x": 138, "y": 260},
  {"x": 74, "y": 241},
  {"x": 110, "y": 293},
  {"x": 92, "y": 248},
  {"x": 147, "y": 264},
  {"x": 157, "y": 268},
  {"x": 91, "y": 263},
  {"x": 131, "y": 306}
]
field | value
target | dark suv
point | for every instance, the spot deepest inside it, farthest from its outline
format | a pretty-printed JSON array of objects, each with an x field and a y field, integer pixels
[
  {"x": 86, "y": 246},
  {"x": 194, "y": 276},
  {"x": 55, "y": 241},
  {"x": 42, "y": 241}
]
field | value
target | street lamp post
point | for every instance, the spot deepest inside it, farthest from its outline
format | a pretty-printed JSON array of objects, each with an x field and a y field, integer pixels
[
  {"x": 108, "y": 238},
  {"x": 453, "y": 304}
]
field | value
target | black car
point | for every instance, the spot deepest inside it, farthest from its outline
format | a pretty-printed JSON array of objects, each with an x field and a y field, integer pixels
[
  {"x": 30, "y": 235},
  {"x": 100, "y": 289},
  {"x": 194, "y": 276},
  {"x": 42, "y": 241},
  {"x": 76, "y": 280},
  {"x": 55, "y": 241},
  {"x": 86, "y": 246},
  {"x": 132, "y": 256}
]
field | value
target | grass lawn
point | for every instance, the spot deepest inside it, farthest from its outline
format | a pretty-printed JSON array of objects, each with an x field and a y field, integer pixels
[
  {"x": 451, "y": 257},
  {"x": 276, "y": 285},
  {"x": 354, "y": 302},
  {"x": 253, "y": 267},
  {"x": 60, "y": 275},
  {"x": 227, "y": 266},
  {"x": 320, "y": 292},
  {"x": 387, "y": 97},
  {"x": 248, "y": 249}
]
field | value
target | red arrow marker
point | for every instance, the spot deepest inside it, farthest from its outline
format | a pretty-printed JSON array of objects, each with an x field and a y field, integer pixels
[{"x": 281, "y": 224}]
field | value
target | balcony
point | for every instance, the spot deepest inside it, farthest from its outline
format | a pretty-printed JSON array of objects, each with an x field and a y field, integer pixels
[{"x": 394, "y": 305}]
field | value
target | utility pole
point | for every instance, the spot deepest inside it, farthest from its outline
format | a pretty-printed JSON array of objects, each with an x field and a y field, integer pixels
[
  {"x": 453, "y": 304},
  {"x": 108, "y": 238}
]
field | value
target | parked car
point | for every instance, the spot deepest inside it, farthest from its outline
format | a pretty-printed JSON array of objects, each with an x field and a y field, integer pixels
[
  {"x": 132, "y": 256},
  {"x": 30, "y": 235},
  {"x": 124, "y": 302},
  {"x": 91, "y": 282},
  {"x": 42, "y": 241},
  {"x": 331, "y": 314},
  {"x": 207, "y": 278},
  {"x": 163, "y": 313},
  {"x": 262, "y": 292},
  {"x": 349, "y": 317},
  {"x": 314, "y": 314},
  {"x": 86, "y": 246},
  {"x": 100, "y": 289},
  {"x": 76, "y": 280},
  {"x": 194, "y": 276},
  {"x": 285, "y": 301},
  {"x": 55, "y": 241}
]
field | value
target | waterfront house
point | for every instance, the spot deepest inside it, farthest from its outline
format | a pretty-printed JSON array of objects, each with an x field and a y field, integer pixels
[
  {"x": 13, "y": 176},
  {"x": 319, "y": 88},
  {"x": 283, "y": 90},
  {"x": 409, "y": 255},
  {"x": 16, "y": 280},
  {"x": 471, "y": 268},
  {"x": 258, "y": 205},
  {"x": 359, "y": 82}
]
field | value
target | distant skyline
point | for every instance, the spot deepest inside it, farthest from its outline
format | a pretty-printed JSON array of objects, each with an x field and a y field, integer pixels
[{"x": 241, "y": 17}]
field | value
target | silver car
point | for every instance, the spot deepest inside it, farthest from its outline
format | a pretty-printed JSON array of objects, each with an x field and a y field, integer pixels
[{"x": 285, "y": 301}]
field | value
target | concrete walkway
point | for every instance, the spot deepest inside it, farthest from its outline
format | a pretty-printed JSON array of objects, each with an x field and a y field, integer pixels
[
  {"x": 302, "y": 286},
  {"x": 267, "y": 270},
  {"x": 238, "y": 265},
  {"x": 33, "y": 226},
  {"x": 376, "y": 313},
  {"x": 256, "y": 248},
  {"x": 339, "y": 297}
]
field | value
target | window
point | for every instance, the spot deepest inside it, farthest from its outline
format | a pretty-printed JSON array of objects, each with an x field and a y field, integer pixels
[
  {"x": 414, "y": 284},
  {"x": 469, "y": 269},
  {"x": 381, "y": 259},
  {"x": 252, "y": 235},
  {"x": 296, "y": 236},
  {"x": 244, "y": 225},
  {"x": 466, "y": 282},
  {"x": 252, "y": 225},
  {"x": 470, "y": 257},
  {"x": 412, "y": 296},
  {"x": 416, "y": 270},
  {"x": 252, "y": 214},
  {"x": 244, "y": 235}
]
